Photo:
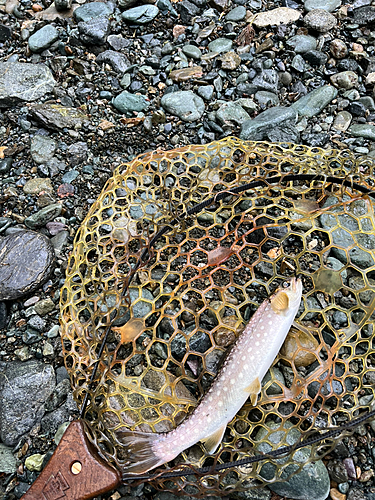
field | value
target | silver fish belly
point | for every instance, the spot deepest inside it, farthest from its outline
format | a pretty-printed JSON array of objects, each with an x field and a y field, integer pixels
[{"x": 239, "y": 378}]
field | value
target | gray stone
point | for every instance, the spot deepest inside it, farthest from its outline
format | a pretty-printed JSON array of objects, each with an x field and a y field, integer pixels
[
  {"x": 37, "y": 323},
  {"x": 312, "y": 103},
  {"x": 275, "y": 124},
  {"x": 328, "y": 5},
  {"x": 55, "y": 116},
  {"x": 94, "y": 9},
  {"x": 247, "y": 104},
  {"x": 265, "y": 98},
  {"x": 364, "y": 130},
  {"x": 94, "y": 31},
  {"x": 42, "y": 148},
  {"x": 46, "y": 214},
  {"x": 342, "y": 121},
  {"x": 301, "y": 43},
  {"x": 25, "y": 263},
  {"x": 62, "y": 5},
  {"x": 320, "y": 20},
  {"x": 236, "y": 14},
  {"x": 8, "y": 462},
  {"x": 268, "y": 80},
  {"x": 315, "y": 57},
  {"x": 43, "y": 38},
  {"x": 141, "y": 15},
  {"x": 24, "y": 387},
  {"x": 59, "y": 241},
  {"x": 206, "y": 92},
  {"x": 368, "y": 102},
  {"x": 184, "y": 104},
  {"x": 127, "y": 102},
  {"x": 5, "y": 33},
  {"x": 231, "y": 112},
  {"x": 192, "y": 51},
  {"x": 298, "y": 63},
  {"x": 126, "y": 4},
  {"x": 23, "y": 82},
  {"x": 345, "y": 79},
  {"x": 118, "y": 61},
  {"x": 118, "y": 42},
  {"x": 273, "y": 374},
  {"x": 220, "y": 45},
  {"x": 312, "y": 482},
  {"x": 364, "y": 16}
]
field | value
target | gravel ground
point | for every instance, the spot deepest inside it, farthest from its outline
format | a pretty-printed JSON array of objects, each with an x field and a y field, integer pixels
[{"x": 79, "y": 84}]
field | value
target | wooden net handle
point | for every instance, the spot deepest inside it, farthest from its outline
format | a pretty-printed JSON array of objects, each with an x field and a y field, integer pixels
[{"x": 75, "y": 470}]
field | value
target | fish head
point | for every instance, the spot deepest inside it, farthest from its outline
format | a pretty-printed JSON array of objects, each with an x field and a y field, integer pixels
[{"x": 287, "y": 300}]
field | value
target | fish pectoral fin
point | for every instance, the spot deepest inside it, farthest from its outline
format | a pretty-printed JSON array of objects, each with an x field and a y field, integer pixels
[
  {"x": 212, "y": 442},
  {"x": 280, "y": 302},
  {"x": 254, "y": 389}
]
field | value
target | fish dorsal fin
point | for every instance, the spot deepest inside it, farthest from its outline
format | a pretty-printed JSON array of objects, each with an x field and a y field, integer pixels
[
  {"x": 212, "y": 442},
  {"x": 253, "y": 390},
  {"x": 280, "y": 302}
]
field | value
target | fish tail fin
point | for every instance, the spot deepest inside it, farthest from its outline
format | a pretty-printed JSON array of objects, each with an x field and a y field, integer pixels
[{"x": 140, "y": 449}]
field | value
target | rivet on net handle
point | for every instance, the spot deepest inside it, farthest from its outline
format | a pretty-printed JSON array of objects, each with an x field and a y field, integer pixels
[{"x": 75, "y": 470}]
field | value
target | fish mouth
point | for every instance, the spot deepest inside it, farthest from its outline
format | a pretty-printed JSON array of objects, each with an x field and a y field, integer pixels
[{"x": 296, "y": 285}]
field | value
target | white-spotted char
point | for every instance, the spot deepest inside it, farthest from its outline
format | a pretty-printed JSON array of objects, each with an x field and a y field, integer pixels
[{"x": 239, "y": 378}]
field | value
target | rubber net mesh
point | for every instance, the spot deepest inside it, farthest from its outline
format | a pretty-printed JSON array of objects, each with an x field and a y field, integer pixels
[{"x": 200, "y": 285}]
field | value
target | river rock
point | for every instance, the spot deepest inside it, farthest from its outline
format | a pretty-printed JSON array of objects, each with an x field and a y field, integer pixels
[
  {"x": 24, "y": 388},
  {"x": 16, "y": 278},
  {"x": 127, "y": 102},
  {"x": 320, "y": 20},
  {"x": 184, "y": 104},
  {"x": 314, "y": 102},
  {"x": 37, "y": 185},
  {"x": 236, "y": 14},
  {"x": 268, "y": 79},
  {"x": 141, "y": 15},
  {"x": 231, "y": 112},
  {"x": 192, "y": 51},
  {"x": 5, "y": 33},
  {"x": 328, "y": 5},
  {"x": 46, "y": 214},
  {"x": 94, "y": 31},
  {"x": 62, "y": 5},
  {"x": 275, "y": 124},
  {"x": 301, "y": 43},
  {"x": 364, "y": 130},
  {"x": 342, "y": 121},
  {"x": 55, "y": 116},
  {"x": 42, "y": 148},
  {"x": 230, "y": 60},
  {"x": 118, "y": 61},
  {"x": 91, "y": 10},
  {"x": 364, "y": 15},
  {"x": 220, "y": 45},
  {"x": 8, "y": 462},
  {"x": 281, "y": 15},
  {"x": 345, "y": 79},
  {"x": 23, "y": 82},
  {"x": 43, "y": 38}
]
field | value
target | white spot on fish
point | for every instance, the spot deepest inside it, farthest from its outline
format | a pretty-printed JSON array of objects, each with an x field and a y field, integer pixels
[
  {"x": 256, "y": 343},
  {"x": 220, "y": 403},
  {"x": 233, "y": 381},
  {"x": 243, "y": 358}
]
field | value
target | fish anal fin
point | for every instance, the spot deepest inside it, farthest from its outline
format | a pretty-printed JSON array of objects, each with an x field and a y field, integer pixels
[
  {"x": 212, "y": 442},
  {"x": 280, "y": 302},
  {"x": 253, "y": 390}
]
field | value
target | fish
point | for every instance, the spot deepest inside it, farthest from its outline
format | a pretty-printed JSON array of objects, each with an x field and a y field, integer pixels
[{"x": 239, "y": 379}]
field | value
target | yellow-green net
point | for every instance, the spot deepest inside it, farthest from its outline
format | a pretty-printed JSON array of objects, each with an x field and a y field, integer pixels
[{"x": 202, "y": 282}]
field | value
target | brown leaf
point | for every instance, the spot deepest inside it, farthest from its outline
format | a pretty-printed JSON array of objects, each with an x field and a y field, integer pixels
[{"x": 246, "y": 36}]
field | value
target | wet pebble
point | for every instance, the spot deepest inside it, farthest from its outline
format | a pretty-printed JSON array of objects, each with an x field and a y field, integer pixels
[
  {"x": 184, "y": 104},
  {"x": 93, "y": 9},
  {"x": 301, "y": 43},
  {"x": 320, "y": 20},
  {"x": 43, "y": 38},
  {"x": 127, "y": 102},
  {"x": 42, "y": 148},
  {"x": 141, "y": 15}
]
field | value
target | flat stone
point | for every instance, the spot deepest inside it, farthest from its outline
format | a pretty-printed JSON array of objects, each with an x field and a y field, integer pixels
[
  {"x": 24, "y": 388},
  {"x": 55, "y": 116},
  {"x": 315, "y": 57},
  {"x": 23, "y": 82},
  {"x": 320, "y": 20},
  {"x": 192, "y": 51},
  {"x": 342, "y": 121},
  {"x": 265, "y": 98},
  {"x": 141, "y": 15},
  {"x": 43, "y": 38},
  {"x": 231, "y": 112},
  {"x": 94, "y": 31},
  {"x": 220, "y": 45},
  {"x": 44, "y": 306},
  {"x": 94, "y": 9},
  {"x": 312, "y": 103},
  {"x": 345, "y": 79},
  {"x": 118, "y": 42},
  {"x": 184, "y": 104},
  {"x": 364, "y": 130},
  {"x": 118, "y": 61},
  {"x": 364, "y": 15},
  {"x": 16, "y": 278},
  {"x": 275, "y": 124},
  {"x": 127, "y": 102},
  {"x": 298, "y": 63},
  {"x": 301, "y": 43},
  {"x": 46, "y": 214},
  {"x": 42, "y": 148},
  {"x": 38, "y": 185},
  {"x": 187, "y": 10},
  {"x": 328, "y": 5},
  {"x": 185, "y": 74},
  {"x": 281, "y": 15},
  {"x": 8, "y": 462},
  {"x": 236, "y": 14}
]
